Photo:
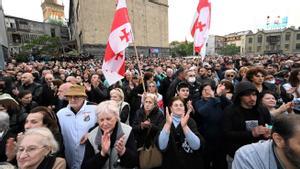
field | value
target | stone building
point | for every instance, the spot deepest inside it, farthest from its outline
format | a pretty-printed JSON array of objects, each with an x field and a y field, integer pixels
[
  {"x": 90, "y": 23},
  {"x": 20, "y": 31},
  {"x": 214, "y": 44},
  {"x": 53, "y": 11},
  {"x": 283, "y": 41},
  {"x": 238, "y": 39},
  {"x": 3, "y": 39}
]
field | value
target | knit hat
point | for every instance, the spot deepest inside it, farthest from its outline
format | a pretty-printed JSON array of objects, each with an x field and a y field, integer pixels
[
  {"x": 242, "y": 89},
  {"x": 76, "y": 90}
]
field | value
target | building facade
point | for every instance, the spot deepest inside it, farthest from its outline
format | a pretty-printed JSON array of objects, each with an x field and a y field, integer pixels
[
  {"x": 284, "y": 41},
  {"x": 90, "y": 23},
  {"x": 53, "y": 11},
  {"x": 20, "y": 31},
  {"x": 3, "y": 39},
  {"x": 214, "y": 44},
  {"x": 238, "y": 39}
]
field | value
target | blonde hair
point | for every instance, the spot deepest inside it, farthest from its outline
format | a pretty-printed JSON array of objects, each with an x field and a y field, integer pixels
[
  {"x": 230, "y": 71},
  {"x": 119, "y": 92},
  {"x": 46, "y": 135},
  {"x": 152, "y": 96},
  {"x": 108, "y": 107}
]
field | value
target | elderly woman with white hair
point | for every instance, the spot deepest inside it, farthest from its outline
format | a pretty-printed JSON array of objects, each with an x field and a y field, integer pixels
[
  {"x": 35, "y": 149},
  {"x": 147, "y": 121},
  {"x": 231, "y": 76},
  {"x": 4, "y": 134},
  {"x": 112, "y": 143},
  {"x": 117, "y": 95}
]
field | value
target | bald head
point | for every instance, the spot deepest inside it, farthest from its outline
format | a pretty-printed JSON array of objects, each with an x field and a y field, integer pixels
[
  {"x": 26, "y": 78},
  {"x": 62, "y": 90}
]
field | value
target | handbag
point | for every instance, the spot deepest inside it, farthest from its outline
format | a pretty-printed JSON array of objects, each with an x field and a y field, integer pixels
[{"x": 149, "y": 157}]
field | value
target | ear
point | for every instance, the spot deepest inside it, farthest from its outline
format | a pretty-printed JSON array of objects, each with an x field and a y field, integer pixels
[{"x": 279, "y": 141}]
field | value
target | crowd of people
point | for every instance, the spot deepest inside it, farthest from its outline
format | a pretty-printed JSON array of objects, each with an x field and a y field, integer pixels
[{"x": 221, "y": 113}]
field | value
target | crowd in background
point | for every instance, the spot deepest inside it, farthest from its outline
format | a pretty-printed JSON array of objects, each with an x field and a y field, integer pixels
[{"x": 195, "y": 114}]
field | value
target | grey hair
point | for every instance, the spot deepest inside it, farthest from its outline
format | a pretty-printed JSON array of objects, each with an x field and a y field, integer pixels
[
  {"x": 108, "y": 107},
  {"x": 47, "y": 138},
  {"x": 4, "y": 121}
]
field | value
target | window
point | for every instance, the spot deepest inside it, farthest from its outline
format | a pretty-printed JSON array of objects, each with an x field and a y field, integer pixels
[
  {"x": 259, "y": 39},
  {"x": 258, "y": 49},
  {"x": 250, "y": 49},
  {"x": 286, "y": 47},
  {"x": 52, "y": 32},
  {"x": 250, "y": 40},
  {"x": 287, "y": 36},
  {"x": 298, "y": 36},
  {"x": 298, "y": 46}
]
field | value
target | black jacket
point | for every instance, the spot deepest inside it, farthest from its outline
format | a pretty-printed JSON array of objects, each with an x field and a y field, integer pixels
[
  {"x": 235, "y": 125},
  {"x": 155, "y": 117},
  {"x": 175, "y": 155}
]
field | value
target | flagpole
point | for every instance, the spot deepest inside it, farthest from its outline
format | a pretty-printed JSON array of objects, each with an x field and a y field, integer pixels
[{"x": 138, "y": 62}]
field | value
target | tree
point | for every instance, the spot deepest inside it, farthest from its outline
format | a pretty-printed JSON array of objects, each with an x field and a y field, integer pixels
[
  {"x": 230, "y": 50},
  {"x": 181, "y": 48},
  {"x": 43, "y": 45}
]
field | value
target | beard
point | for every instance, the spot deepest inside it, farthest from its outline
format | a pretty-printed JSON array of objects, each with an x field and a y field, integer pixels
[{"x": 292, "y": 156}]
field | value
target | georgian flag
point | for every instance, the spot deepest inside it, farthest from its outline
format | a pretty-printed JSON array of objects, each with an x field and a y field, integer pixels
[
  {"x": 113, "y": 66},
  {"x": 200, "y": 26}
]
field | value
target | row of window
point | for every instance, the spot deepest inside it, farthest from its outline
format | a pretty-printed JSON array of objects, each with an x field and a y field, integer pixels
[
  {"x": 287, "y": 38},
  {"x": 273, "y": 47}
]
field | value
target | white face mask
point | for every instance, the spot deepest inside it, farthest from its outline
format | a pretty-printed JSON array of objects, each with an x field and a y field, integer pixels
[
  {"x": 191, "y": 79},
  {"x": 270, "y": 81}
]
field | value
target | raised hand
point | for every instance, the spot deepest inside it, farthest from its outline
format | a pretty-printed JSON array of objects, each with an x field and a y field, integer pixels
[
  {"x": 10, "y": 150},
  {"x": 184, "y": 120},
  {"x": 221, "y": 90},
  {"x": 120, "y": 145},
  {"x": 169, "y": 118},
  {"x": 105, "y": 143}
]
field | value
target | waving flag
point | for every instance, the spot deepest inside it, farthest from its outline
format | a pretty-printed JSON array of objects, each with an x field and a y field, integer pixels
[
  {"x": 200, "y": 26},
  {"x": 120, "y": 36}
]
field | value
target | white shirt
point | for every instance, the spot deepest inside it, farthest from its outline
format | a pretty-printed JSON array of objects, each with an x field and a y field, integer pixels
[{"x": 73, "y": 128}]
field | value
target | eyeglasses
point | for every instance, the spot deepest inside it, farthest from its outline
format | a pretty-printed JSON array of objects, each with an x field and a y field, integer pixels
[
  {"x": 29, "y": 149},
  {"x": 230, "y": 76}
]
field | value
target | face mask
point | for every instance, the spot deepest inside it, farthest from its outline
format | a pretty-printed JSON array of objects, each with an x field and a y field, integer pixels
[
  {"x": 191, "y": 79},
  {"x": 270, "y": 81}
]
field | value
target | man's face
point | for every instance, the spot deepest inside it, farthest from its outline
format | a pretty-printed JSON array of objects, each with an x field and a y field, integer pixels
[
  {"x": 203, "y": 72},
  {"x": 249, "y": 100},
  {"x": 270, "y": 69},
  {"x": 76, "y": 102},
  {"x": 26, "y": 78},
  {"x": 292, "y": 150}
]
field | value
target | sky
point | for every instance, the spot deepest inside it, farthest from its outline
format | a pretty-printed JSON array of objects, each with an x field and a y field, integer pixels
[{"x": 228, "y": 16}]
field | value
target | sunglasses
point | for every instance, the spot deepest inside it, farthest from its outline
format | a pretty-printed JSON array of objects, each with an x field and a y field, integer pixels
[{"x": 230, "y": 76}]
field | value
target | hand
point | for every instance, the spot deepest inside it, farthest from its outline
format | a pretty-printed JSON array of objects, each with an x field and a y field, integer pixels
[
  {"x": 190, "y": 107},
  {"x": 221, "y": 90},
  {"x": 259, "y": 130},
  {"x": 285, "y": 106},
  {"x": 145, "y": 124},
  {"x": 87, "y": 86},
  {"x": 169, "y": 118},
  {"x": 120, "y": 145},
  {"x": 184, "y": 120},
  {"x": 10, "y": 150},
  {"x": 105, "y": 143},
  {"x": 84, "y": 138},
  {"x": 15, "y": 91}
]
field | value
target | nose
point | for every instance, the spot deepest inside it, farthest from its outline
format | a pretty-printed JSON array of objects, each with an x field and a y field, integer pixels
[{"x": 27, "y": 126}]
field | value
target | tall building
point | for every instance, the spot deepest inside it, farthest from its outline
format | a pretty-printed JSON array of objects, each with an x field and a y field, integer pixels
[
  {"x": 19, "y": 31},
  {"x": 281, "y": 41},
  {"x": 90, "y": 22},
  {"x": 53, "y": 10},
  {"x": 3, "y": 39}
]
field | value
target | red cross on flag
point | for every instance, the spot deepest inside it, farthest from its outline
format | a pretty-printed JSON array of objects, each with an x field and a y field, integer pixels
[
  {"x": 200, "y": 26},
  {"x": 120, "y": 36}
]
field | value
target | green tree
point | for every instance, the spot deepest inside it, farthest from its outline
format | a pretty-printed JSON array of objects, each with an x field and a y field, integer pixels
[
  {"x": 230, "y": 50},
  {"x": 181, "y": 48},
  {"x": 43, "y": 45}
]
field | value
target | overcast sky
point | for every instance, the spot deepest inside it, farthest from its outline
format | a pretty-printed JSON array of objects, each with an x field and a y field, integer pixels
[{"x": 227, "y": 15}]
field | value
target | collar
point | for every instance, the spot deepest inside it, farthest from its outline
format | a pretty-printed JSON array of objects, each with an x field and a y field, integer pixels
[{"x": 81, "y": 109}]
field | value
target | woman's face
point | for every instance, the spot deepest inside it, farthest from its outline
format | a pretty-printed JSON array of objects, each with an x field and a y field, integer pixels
[
  {"x": 151, "y": 88},
  {"x": 34, "y": 120},
  {"x": 107, "y": 121},
  {"x": 258, "y": 79},
  {"x": 148, "y": 104},
  {"x": 269, "y": 101},
  {"x": 26, "y": 99},
  {"x": 230, "y": 76},
  {"x": 114, "y": 96},
  {"x": 177, "y": 107},
  {"x": 31, "y": 152}
]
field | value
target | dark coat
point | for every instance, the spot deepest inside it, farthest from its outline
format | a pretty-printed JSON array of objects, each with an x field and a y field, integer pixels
[
  {"x": 98, "y": 94},
  {"x": 155, "y": 117},
  {"x": 175, "y": 156}
]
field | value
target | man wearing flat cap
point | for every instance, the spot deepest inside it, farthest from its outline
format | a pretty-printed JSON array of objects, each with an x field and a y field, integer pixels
[{"x": 75, "y": 120}]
